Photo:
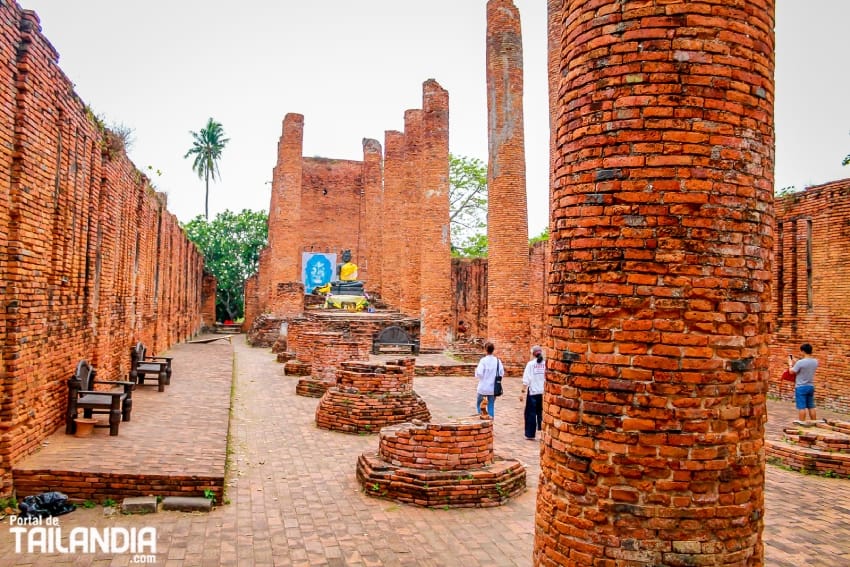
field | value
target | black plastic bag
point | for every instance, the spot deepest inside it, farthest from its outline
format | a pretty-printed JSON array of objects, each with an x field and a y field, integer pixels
[{"x": 45, "y": 504}]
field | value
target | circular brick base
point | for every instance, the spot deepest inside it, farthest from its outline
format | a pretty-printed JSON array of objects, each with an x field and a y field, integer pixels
[
  {"x": 351, "y": 411},
  {"x": 491, "y": 485}
]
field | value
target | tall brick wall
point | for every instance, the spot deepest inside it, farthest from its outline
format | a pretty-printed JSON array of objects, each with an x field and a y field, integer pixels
[
  {"x": 90, "y": 259},
  {"x": 507, "y": 211},
  {"x": 332, "y": 191},
  {"x": 812, "y": 288},
  {"x": 660, "y": 289}
]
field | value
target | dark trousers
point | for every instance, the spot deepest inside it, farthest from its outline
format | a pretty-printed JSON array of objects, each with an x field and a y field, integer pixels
[{"x": 533, "y": 414}]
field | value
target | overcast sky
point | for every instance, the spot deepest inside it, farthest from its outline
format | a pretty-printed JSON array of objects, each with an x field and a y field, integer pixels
[{"x": 162, "y": 67}]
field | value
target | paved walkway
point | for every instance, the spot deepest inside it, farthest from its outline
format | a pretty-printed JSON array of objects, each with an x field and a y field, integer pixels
[{"x": 293, "y": 498}]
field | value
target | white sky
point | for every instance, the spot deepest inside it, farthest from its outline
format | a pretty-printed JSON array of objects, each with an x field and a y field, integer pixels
[{"x": 162, "y": 67}]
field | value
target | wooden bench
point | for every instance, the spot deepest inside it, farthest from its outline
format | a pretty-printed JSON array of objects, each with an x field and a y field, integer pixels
[
  {"x": 394, "y": 338},
  {"x": 142, "y": 366},
  {"x": 82, "y": 394}
]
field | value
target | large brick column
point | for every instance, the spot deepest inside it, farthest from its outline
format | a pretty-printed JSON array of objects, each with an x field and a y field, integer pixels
[
  {"x": 507, "y": 212},
  {"x": 370, "y": 215},
  {"x": 392, "y": 219},
  {"x": 285, "y": 215},
  {"x": 410, "y": 269},
  {"x": 660, "y": 289},
  {"x": 436, "y": 258}
]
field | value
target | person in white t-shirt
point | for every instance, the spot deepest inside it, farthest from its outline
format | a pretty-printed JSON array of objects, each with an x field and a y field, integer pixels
[
  {"x": 533, "y": 380},
  {"x": 486, "y": 371}
]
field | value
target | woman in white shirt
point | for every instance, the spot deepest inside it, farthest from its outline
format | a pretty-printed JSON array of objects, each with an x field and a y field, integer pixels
[
  {"x": 486, "y": 371},
  {"x": 533, "y": 380}
]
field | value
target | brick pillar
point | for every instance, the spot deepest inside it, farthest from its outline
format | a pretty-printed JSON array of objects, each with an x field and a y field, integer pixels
[
  {"x": 553, "y": 32},
  {"x": 660, "y": 289},
  {"x": 412, "y": 198},
  {"x": 208, "y": 292},
  {"x": 507, "y": 211},
  {"x": 285, "y": 212},
  {"x": 370, "y": 210},
  {"x": 251, "y": 302},
  {"x": 436, "y": 259},
  {"x": 393, "y": 237}
]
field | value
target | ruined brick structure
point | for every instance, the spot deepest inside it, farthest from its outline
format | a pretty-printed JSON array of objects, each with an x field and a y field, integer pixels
[
  {"x": 812, "y": 275},
  {"x": 507, "y": 211},
  {"x": 366, "y": 397},
  {"x": 660, "y": 288},
  {"x": 422, "y": 464},
  {"x": 90, "y": 259},
  {"x": 391, "y": 211},
  {"x": 325, "y": 352}
]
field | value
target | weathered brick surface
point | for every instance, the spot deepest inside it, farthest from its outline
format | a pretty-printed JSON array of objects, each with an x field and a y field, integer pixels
[
  {"x": 393, "y": 235},
  {"x": 208, "y": 290},
  {"x": 440, "y": 464},
  {"x": 411, "y": 271},
  {"x": 507, "y": 211},
  {"x": 812, "y": 275},
  {"x": 367, "y": 397},
  {"x": 660, "y": 289},
  {"x": 265, "y": 330},
  {"x": 370, "y": 245},
  {"x": 435, "y": 261},
  {"x": 91, "y": 261},
  {"x": 818, "y": 447},
  {"x": 469, "y": 282},
  {"x": 539, "y": 261},
  {"x": 79, "y": 486},
  {"x": 284, "y": 213}
]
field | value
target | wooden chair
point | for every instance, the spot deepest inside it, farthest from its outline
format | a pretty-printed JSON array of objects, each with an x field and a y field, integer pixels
[
  {"x": 118, "y": 404},
  {"x": 142, "y": 365}
]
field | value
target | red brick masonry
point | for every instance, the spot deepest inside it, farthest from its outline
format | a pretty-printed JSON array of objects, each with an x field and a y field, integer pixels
[
  {"x": 368, "y": 397},
  {"x": 440, "y": 465}
]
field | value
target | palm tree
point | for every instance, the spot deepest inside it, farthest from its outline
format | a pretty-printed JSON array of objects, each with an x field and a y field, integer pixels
[{"x": 207, "y": 147}]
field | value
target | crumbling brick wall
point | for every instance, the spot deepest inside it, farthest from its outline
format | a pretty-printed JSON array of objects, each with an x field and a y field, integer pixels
[
  {"x": 812, "y": 275},
  {"x": 90, "y": 259}
]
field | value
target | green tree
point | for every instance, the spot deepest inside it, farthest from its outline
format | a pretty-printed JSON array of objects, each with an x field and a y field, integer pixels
[
  {"x": 231, "y": 246},
  {"x": 206, "y": 148},
  {"x": 468, "y": 206},
  {"x": 544, "y": 235}
]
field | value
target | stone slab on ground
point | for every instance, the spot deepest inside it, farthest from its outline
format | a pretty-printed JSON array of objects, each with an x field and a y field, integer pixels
[
  {"x": 187, "y": 503},
  {"x": 139, "y": 505}
]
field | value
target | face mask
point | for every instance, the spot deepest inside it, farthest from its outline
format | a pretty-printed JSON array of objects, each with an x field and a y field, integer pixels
[{"x": 539, "y": 358}]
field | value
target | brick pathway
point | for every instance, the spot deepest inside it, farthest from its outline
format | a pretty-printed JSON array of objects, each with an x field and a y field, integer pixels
[{"x": 294, "y": 499}]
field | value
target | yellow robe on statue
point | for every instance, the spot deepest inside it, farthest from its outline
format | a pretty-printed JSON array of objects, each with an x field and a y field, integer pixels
[{"x": 348, "y": 272}]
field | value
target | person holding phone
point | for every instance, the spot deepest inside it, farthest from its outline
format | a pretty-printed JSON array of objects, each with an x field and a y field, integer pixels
[{"x": 803, "y": 370}]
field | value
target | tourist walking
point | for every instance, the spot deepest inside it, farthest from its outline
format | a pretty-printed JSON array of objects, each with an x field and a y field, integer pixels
[
  {"x": 533, "y": 380},
  {"x": 488, "y": 368},
  {"x": 804, "y": 382}
]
